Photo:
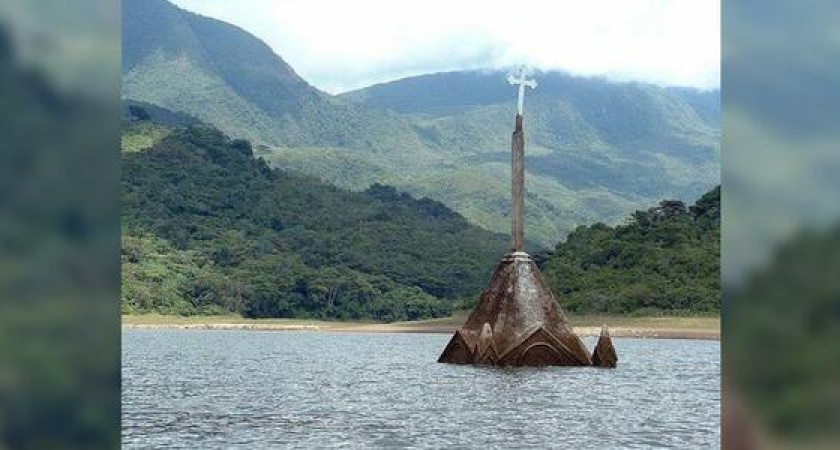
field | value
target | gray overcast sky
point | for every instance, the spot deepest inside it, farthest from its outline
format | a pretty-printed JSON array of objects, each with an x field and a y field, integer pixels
[{"x": 341, "y": 45}]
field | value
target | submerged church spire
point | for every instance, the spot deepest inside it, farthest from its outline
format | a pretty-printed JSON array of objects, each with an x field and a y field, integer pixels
[{"x": 517, "y": 321}]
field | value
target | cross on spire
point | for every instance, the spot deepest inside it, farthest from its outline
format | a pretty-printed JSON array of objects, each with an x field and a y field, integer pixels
[
  {"x": 517, "y": 168},
  {"x": 520, "y": 78}
]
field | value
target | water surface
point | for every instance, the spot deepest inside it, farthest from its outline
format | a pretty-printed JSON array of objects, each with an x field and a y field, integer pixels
[{"x": 265, "y": 389}]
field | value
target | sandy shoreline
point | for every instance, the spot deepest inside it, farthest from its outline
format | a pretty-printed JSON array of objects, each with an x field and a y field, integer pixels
[{"x": 649, "y": 328}]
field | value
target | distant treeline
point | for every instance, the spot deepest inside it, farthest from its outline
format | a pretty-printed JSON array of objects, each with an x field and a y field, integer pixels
[
  {"x": 665, "y": 259},
  {"x": 208, "y": 228}
]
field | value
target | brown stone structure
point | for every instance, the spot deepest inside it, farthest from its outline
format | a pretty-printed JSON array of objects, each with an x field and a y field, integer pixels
[
  {"x": 517, "y": 178},
  {"x": 517, "y": 320},
  {"x": 604, "y": 353}
]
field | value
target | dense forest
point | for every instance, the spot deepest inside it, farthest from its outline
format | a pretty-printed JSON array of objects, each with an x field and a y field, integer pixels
[
  {"x": 209, "y": 228},
  {"x": 665, "y": 259}
]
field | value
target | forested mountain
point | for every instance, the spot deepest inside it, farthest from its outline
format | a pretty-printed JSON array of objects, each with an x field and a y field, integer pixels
[
  {"x": 224, "y": 76},
  {"x": 210, "y": 228},
  {"x": 447, "y": 93},
  {"x": 584, "y": 133},
  {"x": 596, "y": 150},
  {"x": 664, "y": 259}
]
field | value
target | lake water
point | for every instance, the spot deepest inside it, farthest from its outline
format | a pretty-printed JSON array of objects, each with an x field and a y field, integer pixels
[{"x": 255, "y": 389}]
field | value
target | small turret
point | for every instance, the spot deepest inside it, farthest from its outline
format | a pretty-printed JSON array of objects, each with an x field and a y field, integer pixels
[{"x": 604, "y": 353}]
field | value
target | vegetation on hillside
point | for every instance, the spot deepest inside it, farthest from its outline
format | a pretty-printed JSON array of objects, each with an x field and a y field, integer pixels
[
  {"x": 209, "y": 228},
  {"x": 138, "y": 135},
  {"x": 596, "y": 150},
  {"x": 665, "y": 259},
  {"x": 224, "y": 76}
]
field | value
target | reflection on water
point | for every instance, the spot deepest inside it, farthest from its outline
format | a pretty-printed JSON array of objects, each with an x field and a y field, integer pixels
[{"x": 253, "y": 389}]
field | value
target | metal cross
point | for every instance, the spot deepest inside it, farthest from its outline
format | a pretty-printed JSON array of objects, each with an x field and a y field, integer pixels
[{"x": 520, "y": 78}]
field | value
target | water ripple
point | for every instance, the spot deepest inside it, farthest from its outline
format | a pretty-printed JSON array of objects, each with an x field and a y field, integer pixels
[{"x": 251, "y": 389}]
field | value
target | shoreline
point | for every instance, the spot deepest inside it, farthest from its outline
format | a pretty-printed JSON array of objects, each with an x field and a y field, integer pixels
[{"x": 700, "y": 328}]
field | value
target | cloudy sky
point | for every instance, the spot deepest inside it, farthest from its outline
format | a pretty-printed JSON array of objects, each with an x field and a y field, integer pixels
[{"x": 341, "y": 45}]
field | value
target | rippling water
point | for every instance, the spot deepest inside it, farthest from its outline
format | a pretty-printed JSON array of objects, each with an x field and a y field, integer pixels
[{"x": 252, "y": 389}]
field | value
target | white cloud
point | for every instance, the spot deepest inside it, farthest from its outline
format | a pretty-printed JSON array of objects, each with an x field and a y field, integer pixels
[{"x": 341, "y": 45}]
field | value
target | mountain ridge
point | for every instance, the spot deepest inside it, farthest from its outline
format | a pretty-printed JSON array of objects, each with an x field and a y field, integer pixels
[
  {"x": 489, "y": 86},
  {"x": 596, "y": 151},
  {"x": 223, "y": 75}
]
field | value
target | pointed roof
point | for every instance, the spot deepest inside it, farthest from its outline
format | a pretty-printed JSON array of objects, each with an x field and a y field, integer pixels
[
  {"x": 604, "y": 354},
  {"x": 521, "y": 319}
]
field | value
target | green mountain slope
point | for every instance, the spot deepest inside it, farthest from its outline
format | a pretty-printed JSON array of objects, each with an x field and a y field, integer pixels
[
  {"x": 224, "y": 76},
  {"x": 630, "y": 138},
  {"x": 209, "y": 228},
  {"x": 596, "y": 150},
  {"x": 664, "y": 259}
]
